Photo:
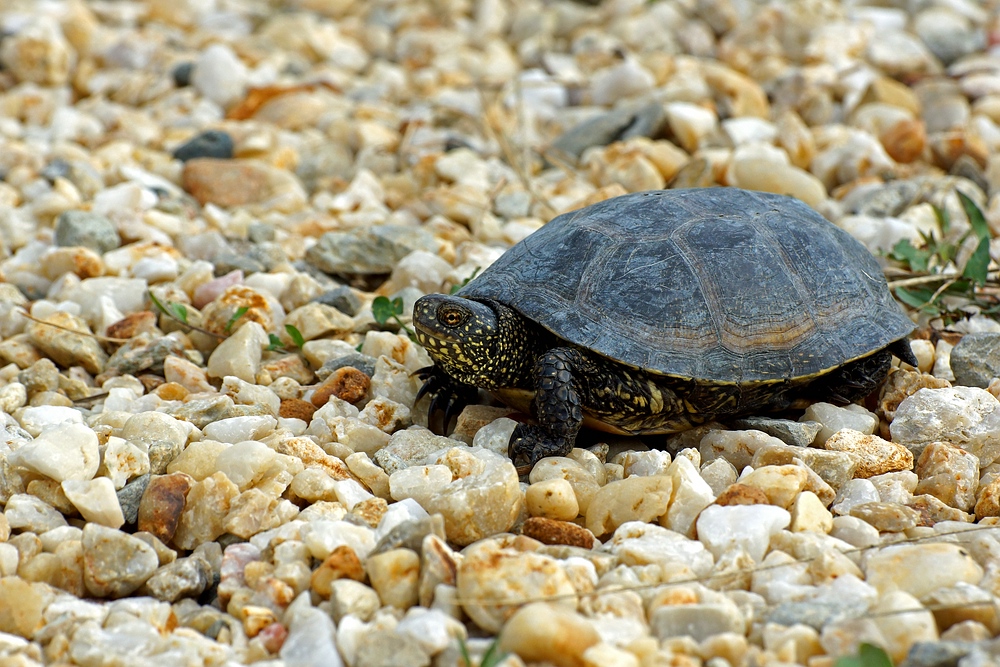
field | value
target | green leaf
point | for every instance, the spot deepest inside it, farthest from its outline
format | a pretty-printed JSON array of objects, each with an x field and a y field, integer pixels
[
  {"x": 156, "y": 302},
  {"x": 276, "y": 343},
  {"x": 976, "y": 219},
  {"x": 240, "y": 312},
  {"x": 295, "y": 335},
  {"x": 905, "y": 251},
  {"x": 976, "y": 268},
  {"x": 464, "y": 650},
  {"x": 493, "y": 656},
  {"x": 943, "y": 219},
  {"x": 868, "y": 656},
  {"x": 946, "y": 252},
  {"x": 180, "y": 312},
  {"x": 917, "y": 297},
  {"x": 383, "y": 309}
]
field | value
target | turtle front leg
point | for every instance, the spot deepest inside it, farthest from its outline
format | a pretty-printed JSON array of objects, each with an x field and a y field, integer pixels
[
  {"x": 557, "y": 406},
  {"x": 448, "y": 396}
]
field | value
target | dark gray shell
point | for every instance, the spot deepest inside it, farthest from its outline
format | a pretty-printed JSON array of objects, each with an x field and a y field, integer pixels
[{"x": 717, "y": 284}]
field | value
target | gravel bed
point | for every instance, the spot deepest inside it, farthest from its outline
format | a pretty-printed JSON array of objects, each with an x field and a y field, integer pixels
[{"x": 212, "y": 450}]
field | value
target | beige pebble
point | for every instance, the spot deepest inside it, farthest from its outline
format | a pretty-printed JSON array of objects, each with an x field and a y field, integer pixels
[
  {"x": 875, "y": 455},
  {"x": 781, "y": 484},
  {"x": 395, "y": 576},
  {"x": 631, "y": 499},
  {"x": 920, "y": 568},
  {"x": 552, "y": 499},
  {"x": 543, "y": 632},
  {"x": 810, "y": 515}
]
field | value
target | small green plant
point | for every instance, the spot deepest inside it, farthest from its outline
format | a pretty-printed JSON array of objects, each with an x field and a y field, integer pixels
[
  {"x": 937, "y": 275},
  {"x": 175, "y": 310},
  {"x": 240, "y": 312},
  {"x": 384, "y": 310},
  {"x": 455, "y": 288},
  {"x": 274, "y": 343},
  {"x": 868, "y": 656},
  {"x": 179, "y": 313},
  {"x": 295, "y": 335},
  {"x": 493, "y": 656}
]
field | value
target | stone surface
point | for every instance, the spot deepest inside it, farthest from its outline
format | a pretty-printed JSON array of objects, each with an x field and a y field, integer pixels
[
  {"x": 552, "y": 531},
  {"x": 800, "y": 434},
  {"x": 491, "y": 578},
  {"x": 65, "y": 348},
  {"x": 90, "y": 230},
  {"x": 66, "y": 451},
  {"x": 747, "y": 527},
  {"x": 975, "y": 360},
  {"x": 949, "y": 474},
  {"x": 550, "y": 633},
  {"x": 875, "y": 456},
  {"x": 642, "y": 499},
  {"x": 919, "y": 569},
  {"x": 967, "y": 417},
  {"x": 114, "y": 563},
  {"x": 552, "y": 499},
  {"x": 211, "y": 144}
]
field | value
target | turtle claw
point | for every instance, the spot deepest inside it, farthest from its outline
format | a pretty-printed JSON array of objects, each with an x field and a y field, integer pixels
[
  {"x": 448, "y": 397},
  {"x": 529, "y": 444}
]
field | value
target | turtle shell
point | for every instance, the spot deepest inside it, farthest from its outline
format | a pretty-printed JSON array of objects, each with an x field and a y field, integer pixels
[{"x": 718, "y": 284}]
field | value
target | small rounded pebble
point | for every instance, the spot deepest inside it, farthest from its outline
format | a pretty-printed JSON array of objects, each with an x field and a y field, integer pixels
[{"x": 211, "y": 144}]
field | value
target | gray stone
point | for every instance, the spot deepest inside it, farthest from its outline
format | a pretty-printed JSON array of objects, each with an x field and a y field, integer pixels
[
  {"x": 884, "y": 200},
  {"x": 362, "y": 362},
  {"x": 799, "y": 434},
  {"x": 342, "y": 298},
  {"x": 976, "y": 359},
  {"x": 143, "y": 352},
  {"x": 40, "y": 376},
  {"x": 129, "y": 497},
  {"x": 90, "y": 230},
  {"x": 410, "y": 447},
  {"x": 310, "y": 641},
  {"x": 410, "y": 534},
  {"x": 260, "y": 232},
  {"x": 612, "y": 126},
  {"x": 947, "y": 34},
  {"x": 937, "y": 654},
  {"x": 371, "y": 250},
  {"x": 186, "y": 577},
  {"x": 813, "y": 613},
  {"x": 231, "y": 260},
  {"x": 213, "y": 143},
  {"x": 202, "y": 412}
]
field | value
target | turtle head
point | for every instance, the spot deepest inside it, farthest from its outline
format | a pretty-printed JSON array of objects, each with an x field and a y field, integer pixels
[{"x": 476, "y": 342}]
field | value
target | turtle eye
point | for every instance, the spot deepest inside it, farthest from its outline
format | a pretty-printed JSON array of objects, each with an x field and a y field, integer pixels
[{"x": 451, "y": 316}]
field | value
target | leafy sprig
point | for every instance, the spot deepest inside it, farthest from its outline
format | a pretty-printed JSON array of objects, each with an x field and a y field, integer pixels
[
  {"x": 868, "y": 656},
  {"x": 933, "y": 262},
  {"x": 384, "y": 310},
  {"x": 179, "y": 313},
  {"x": 493, "y": 656}
]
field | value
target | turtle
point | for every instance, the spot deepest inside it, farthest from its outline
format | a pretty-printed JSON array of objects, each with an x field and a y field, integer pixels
[{"x": 658, "y": 311}]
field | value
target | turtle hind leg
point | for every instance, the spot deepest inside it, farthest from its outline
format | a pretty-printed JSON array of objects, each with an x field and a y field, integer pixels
[
  {"x": 853, "y": 380},
  {"x": 901, "y": 350}
]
